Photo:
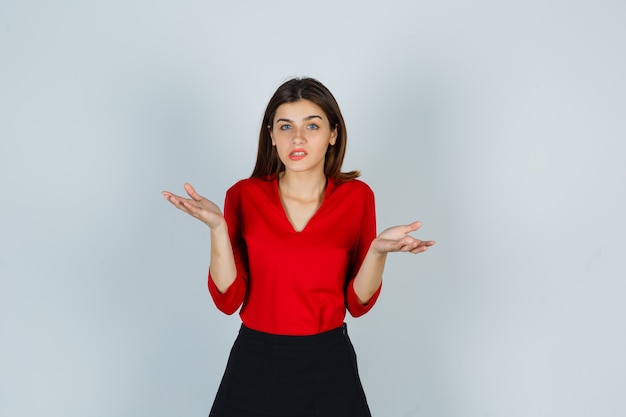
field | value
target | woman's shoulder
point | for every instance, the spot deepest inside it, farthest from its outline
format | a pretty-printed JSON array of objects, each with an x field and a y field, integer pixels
[
  {"x": 352, "y": 186},
  {"x": 352, "y": 191},
  {"x": 252, "y": 184}
]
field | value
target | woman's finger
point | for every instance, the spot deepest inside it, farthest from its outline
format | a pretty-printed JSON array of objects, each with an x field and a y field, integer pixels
[
  {"x": 180, "y": 203},
  {"x": 421, "y": 247},
  {"x": 167, "y": 194},
  {"x": 172, "y": 198},
  {"x": 412, "y": 227},
  {"x": 192, "y": 192}
]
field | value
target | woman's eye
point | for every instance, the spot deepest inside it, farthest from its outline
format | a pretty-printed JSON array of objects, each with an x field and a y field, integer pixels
[
  {"x": 313, "y": 126},
  {"x": 285, "y": 127}
]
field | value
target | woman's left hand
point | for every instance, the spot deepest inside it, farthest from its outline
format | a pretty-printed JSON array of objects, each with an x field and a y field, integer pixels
[{"x": 397, "y": 239}]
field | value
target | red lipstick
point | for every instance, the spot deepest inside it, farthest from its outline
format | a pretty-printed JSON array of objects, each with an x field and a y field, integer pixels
[{"x": 297, "y": 154}]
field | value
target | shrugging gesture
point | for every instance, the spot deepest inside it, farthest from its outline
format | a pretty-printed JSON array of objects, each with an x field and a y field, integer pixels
[{"x": 300, "y": 288}]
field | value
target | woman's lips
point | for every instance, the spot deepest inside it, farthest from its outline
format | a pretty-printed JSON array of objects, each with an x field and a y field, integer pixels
[{"x": 297, "y": 154}]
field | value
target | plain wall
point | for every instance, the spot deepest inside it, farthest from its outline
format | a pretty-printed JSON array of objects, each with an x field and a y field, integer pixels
[{"x": 500, "y": 125}]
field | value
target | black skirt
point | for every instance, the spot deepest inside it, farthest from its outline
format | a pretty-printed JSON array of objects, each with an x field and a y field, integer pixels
[{"x": 291, "y": 376}]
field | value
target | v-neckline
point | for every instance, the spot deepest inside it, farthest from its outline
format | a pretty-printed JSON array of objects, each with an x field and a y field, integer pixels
[{"x": 329, "y": 185}]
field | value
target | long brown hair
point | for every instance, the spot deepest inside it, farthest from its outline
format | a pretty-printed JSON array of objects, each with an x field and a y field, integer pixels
[{"x": 268, "y": 165}]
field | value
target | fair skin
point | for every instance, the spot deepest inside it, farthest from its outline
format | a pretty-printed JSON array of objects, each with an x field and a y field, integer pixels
[{"x": 301, "y": 134}]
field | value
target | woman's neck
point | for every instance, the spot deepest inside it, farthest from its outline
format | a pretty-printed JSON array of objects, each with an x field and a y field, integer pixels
[{"x": 302, "y": 186}]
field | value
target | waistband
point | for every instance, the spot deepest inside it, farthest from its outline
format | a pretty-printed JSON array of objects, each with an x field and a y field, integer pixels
[{"x": 278, "y": 339}]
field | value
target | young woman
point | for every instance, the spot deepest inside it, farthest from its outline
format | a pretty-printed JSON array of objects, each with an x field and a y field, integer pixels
[{"x": 295, "y": 247}]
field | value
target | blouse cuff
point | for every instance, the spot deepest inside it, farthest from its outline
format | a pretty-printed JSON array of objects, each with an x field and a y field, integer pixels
[
  {"x": 230, "y": 300},
  {"x": 355, "y": 307}
]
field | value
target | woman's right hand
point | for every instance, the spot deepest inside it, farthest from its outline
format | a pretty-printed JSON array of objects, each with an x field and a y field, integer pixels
[{"x": 197, "y": 206}]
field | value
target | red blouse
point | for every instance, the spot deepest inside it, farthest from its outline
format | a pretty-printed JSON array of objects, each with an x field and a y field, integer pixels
[{"x": 296, "y": 283}]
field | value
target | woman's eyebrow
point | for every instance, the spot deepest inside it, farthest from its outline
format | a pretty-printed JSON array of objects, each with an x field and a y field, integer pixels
[{"x": 313, "y": 116}]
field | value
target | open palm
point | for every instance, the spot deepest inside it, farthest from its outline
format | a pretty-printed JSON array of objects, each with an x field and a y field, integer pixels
[
  {"x": 397, "y": 239},
  {"x": 197, "y": 206}
]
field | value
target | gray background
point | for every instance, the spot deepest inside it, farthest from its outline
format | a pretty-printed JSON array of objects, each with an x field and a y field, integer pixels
[{"x": 500, "y": 125}]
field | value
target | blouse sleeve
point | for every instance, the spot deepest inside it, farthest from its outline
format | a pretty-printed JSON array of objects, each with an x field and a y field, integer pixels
[
  {"x": 367, "y": 234},
  {"x": 230, "y": 300}
]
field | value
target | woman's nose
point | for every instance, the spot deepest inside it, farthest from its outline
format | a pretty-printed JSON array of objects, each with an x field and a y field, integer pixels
[{"x": 299, "y": 136}]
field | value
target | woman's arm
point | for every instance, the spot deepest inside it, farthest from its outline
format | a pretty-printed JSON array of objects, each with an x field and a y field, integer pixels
[
  {"x": 394, "y": 239},
  {"x": 222, "y": 266}
]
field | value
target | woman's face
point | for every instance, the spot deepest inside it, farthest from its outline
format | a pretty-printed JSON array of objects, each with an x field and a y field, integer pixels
[{"x": 301, "y": 133}]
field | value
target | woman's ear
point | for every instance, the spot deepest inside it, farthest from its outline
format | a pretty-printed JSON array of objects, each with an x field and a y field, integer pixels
[
  {"x": 269, "y": 129},
  {"x": 333, "y": 135}
]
